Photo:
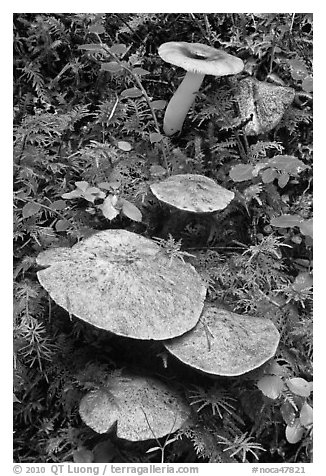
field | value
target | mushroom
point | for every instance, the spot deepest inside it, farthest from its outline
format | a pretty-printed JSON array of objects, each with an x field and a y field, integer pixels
[
  {"x": 124, "y": 283},
  {"x": 198, "y": 60},
  {"x": 192, "y": 193},
  {"x": 142, "y": 407},
  {"x": 226, "y": 343},
  {"x": 263, "y": 102}
]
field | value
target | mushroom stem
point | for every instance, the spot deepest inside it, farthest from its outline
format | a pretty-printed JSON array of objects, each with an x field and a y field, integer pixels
[{"x": 180, "y": 103}]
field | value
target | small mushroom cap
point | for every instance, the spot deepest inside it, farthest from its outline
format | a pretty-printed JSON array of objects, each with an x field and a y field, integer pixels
[
  {"x": 124, "y": 283},
  {"x": 199, "y": 58},
  {"x": 226, "y": 343},
  {"x": 192, "y": 193},
  {"x": 127, "y": 400}
]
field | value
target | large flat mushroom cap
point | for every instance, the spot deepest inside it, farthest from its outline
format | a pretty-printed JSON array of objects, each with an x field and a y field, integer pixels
[
  {"x": 226, "y": 343},
  {"x": 199, "y": 58},
  {"x": 127, "y": 400},
  {"x": 124, "y": 283},
  {"x": 192, "y": 193}
]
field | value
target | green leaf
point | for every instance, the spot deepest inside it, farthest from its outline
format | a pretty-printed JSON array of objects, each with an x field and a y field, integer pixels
[
  {"x": 286, "y": 221},
  {"x": 287, "y": 163},
  {"x": 271, "y": 386},
  {"x": 299, "y": 386},
  {"x": 112, "y": 67},
  {"x": 123, "y": 145},
  {"x": 155, "y": 137},
  {"x": 298, "y": 69},
  {"x": 62, "y": 225},
  {"x": 295, "y": 432},
  {"x": 140, "y": 71},
  {"x": 268, "y": 175},
  {"x": 96, "y": 28},
  {"x": 159, "y": 104},
  {"x": 58, "y": 205},
  {"x": 131, "y": 93},
  {"x": 94, "y": 47},
  {"x": 307, "y": 84},
  {"x": 30, "y": 209},
  {"x": 82, "y": 185},
  {"x": 241, "y": 172},
  {"x": 130, "y": 210},
  {"x": 288, "y": 413},
  {"x": 306, "y": 227},
  {"x": 119, "y": 49},
  {"x": 73, "y": 194},
  {"x": 283, "y": 179},
  {"x": 157, "y": 171},
  {"x": 306, "y": 415},
  {"x": 114, "y": 185},
  {"x": 108, "y": 209},
  {"x": 302, "y": 282}
]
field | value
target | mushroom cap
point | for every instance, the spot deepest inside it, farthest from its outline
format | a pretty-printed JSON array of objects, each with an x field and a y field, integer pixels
[
  {"x": 226, "y": 343},
  {"x": 266, "y": 103},
  {"x": 127, "y": 400},
  {"x": 192, "y": 193},
  {"x": 199, "y": 58},
  {"x": 124, "y": 283}
]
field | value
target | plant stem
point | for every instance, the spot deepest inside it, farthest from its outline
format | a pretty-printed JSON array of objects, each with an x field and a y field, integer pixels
[{"x": 143, "y": 90}]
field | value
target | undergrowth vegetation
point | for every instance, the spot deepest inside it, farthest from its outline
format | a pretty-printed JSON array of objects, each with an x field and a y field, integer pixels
[{"x": 89, "y": 97}]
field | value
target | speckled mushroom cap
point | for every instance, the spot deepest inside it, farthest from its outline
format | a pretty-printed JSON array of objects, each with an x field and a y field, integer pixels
[
  {"x": 199, "y": 58},
  {"x": 226, "y": 343},
  {"x": 265, "y": 102},
  {"x": 124, "y": 283},
  {"x": 192, "y": 193},
  {"x": 127, "y": 400}
]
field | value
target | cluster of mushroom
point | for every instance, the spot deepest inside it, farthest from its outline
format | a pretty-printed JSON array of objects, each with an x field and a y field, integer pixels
[{"x": 126, "y": 284}]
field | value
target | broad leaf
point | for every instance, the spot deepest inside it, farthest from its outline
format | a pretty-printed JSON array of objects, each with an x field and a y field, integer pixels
[
  {"x": 286, "y": 221},
  {"x": 299, "y": 386},
  {"x": 283, "y": 179},
  {"x": 158, "y": 104},
  {"x": 306, "y": 415},
  {"x": 306, "y": 227},
  {"x": 73, "y": 194},
  {"x": 112, "y": 67},
  {"x": 288, "y": 413},
  {"x": 94, "y": 47},
  {"x": 30, "y": 209},
  {"x": 123, "y": 145},
  {"x": 271, "y": 386},
  {"x": 58, "y": 205},
  {"x": 119, "y": 49},
  {"x": 269, "y": 175},
  {"x": 108, "y": 210},
  {"x": 140, "y": 71},
  {"x": 62, "y": 225},
  {"x": 307, "y": 84},
  {"x": 295, "y": 432},
  {"x": 287, "y": 163},
  {"x": 131, "y": 93},
  {"x": 82, "y": 185},
  {"x": 155, "y": 137},
  {"x": 130, "y": 210},
  {"x": 97, "y": 28},
  {"x": 241, "y": 172}
]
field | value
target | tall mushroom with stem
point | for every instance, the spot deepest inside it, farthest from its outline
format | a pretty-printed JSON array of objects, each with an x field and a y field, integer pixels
[{"x": 198, "y": 60}]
